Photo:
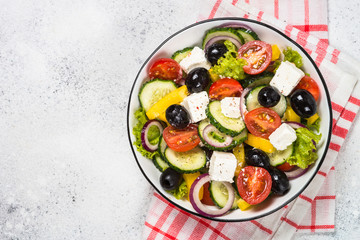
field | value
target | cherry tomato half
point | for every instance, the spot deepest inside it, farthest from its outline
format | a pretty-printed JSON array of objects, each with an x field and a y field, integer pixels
[
  {"x": 261, "y": 122},
  {"x": 309, "y": 84},
  {"x": 285, "y": 167},
  {"x": 225, "y": 87},
  {"x": 254, "y": 184},
  {"x": 206, "y": 196},
  {"x": 258, "y": 56},
  {"x": 181, "y": 140},
  {"x": 167, "y": 69}
]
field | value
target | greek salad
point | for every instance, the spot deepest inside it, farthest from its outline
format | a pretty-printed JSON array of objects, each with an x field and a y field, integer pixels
[{"x": 229, "y": 123}]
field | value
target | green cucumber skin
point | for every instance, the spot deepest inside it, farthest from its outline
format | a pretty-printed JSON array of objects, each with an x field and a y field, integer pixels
[
  {"x": 250, "y": 33},
  {"x": 158, "y": 165},
  {"x": 234, "y": 206},
  {"x": 151, "y": 82},
  {"x": 228, "y": 30},
  {"x": 279, "y": 163},
  {"x": 181, "y": 170},
  {"x": 236, "y": 140},
  {"x": 257, "y": 80},
  {"x": 177, "y": 55},
  {"x": 221, "y": 128}
]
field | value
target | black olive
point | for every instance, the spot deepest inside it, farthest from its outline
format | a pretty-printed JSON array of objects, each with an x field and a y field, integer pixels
[
  {"x": 170, "y": 179},
  {"x": 215, "y": 51},
  {"x": 197, "y": 80},
  {"x": 177, "y": 116},
  {"x": 303, "y": 103},
  {"x": 268, "y": 96},
  {"x": 280, "y": 182},
  {"x": 258, "y": 158}
]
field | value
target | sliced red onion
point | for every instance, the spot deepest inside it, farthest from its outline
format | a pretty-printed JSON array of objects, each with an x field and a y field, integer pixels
[
  {"x": 296, "y": 173},
  {"x": 200, "y": 207},
  {"x": 296, "y": 125},
  {"x": 243, "y": 110},
  {"x": 144, "y": 135},
  {"x": 210, "y": 128},
  {"x": 235, "y": 25},
  {"x": 222, "y": 38}
]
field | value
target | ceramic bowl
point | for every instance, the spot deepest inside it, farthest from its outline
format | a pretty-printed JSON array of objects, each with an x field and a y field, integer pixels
[{"x": 192, "y": 36}]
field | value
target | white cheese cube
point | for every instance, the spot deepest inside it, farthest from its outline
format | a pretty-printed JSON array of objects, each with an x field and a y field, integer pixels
[
  {"x": 196, "y": 105},
  {"x": 222, "y": 166},
  {"x": 230, "y": 107},
  {"x": 196, "y": 58},
  {"x": 282, "y": 137},
  {"x": 286, "y": 78}
]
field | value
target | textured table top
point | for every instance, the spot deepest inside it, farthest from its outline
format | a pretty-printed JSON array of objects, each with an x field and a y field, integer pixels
[{"x": 66, "y": 69}]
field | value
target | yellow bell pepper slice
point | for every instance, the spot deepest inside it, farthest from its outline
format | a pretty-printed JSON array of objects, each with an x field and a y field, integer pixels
[
  {"x": 239, "y": 153},
  {"x": 213, "y": 76},
  {"x": 290, "y": 115},
  {"x": 312, "y": 119},
  {"x": 174, "y": 97},
  {"x": 189, "y": 179},
  {"x": 242, "y": 204},
  {"x": 260, "y": 143},
  {"x": 275, "y": 52}
]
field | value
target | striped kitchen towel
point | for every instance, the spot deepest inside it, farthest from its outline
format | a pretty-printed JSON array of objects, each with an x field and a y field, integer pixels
[{"x": 314, "y": 209}]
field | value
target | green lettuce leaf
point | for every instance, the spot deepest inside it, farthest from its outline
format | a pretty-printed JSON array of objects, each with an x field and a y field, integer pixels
[
  {"x": 315, "y": 125},
  {"x": 229, "y": 65},
  {"x": 305, "y": 151},
  {"x": 293, "y": 56},
  {"x": 141, "y": 120},
  {"x": 181, "y": 191}
]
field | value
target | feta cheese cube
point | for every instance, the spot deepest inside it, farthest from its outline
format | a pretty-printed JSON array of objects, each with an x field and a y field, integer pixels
[
  {"x": 222, "y": 166},
  {"x": 282, "y": 137},
  {"x": 230, "y": 107},
  {"x": 196, "y": 58},
  {"x": 196, "y": 105},
  {"x": 286, "y": 78}
]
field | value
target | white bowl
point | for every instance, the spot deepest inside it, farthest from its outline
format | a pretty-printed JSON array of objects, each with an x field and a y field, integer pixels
[{"x": 193, "y": 35}]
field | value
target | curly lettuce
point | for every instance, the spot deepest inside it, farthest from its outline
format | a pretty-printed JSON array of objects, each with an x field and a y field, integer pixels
[
  {"x": 305, "y": 151},
  {"x": 141, "y": 120},
  {"x": 293, "y": 56},
  {"x": 229, "y": 65},
  {"x": 181, "y": 191}
]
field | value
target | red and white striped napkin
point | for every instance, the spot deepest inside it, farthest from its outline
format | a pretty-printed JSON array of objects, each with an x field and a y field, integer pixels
[{"x": 314, "y": 209}]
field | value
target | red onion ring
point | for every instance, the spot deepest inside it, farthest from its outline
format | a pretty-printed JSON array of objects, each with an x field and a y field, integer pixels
[
  {"x": 222, "y": 38},
  {"x": 200, "y": 207},
  {"x": 209, "y": 128},
  {"x": 243, "y": 110},
  {"x": 144, "y": 135},
  {"x": 295, "y": 125},
  {"x": 296, "y": 173},
  {"x": 235, "y": 25}
]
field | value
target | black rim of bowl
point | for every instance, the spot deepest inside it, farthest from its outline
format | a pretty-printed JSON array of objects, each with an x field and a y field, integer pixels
[{"x": 327, "y": 96}]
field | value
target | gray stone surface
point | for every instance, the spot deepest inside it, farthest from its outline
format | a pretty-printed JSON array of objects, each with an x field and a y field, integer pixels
[{"x": 66, "y": 68}]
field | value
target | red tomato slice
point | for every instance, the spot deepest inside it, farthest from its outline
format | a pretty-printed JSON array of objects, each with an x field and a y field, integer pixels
[
  {"x": 181, "y": 140},
  {"x": 262, "y": 122},
  {"x": 258, "y": 56},
  {"x": 167, "y": 69},
  {"x": 225, "y": 87},
  {"x": 206, "y": 196},
  {"x": 254, "y": 184},
  {"x": 309, "y": 84},
  {"x": 285, "y": 167}
]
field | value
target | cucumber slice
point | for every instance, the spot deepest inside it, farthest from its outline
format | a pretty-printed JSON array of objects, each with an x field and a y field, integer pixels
[
  {"x": 248, "y": 35},
  {"x": 162, "y": 146},
  {"x": 228, "y": 32},
  {"x": 279, "y": 157},
  {"x": 229, "y": 126},
  {"x": 153, "y": 91},
  {"x": 219, "y": 195},
  {"x": 257, "y": 80},
  {"x": 160, "y": 163},
  {"x": 252, "y": 102},
  {"x": 236, "y": 140},
  {"x": 186, "y": 162},
  {"x": 181, "y": 54}
]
